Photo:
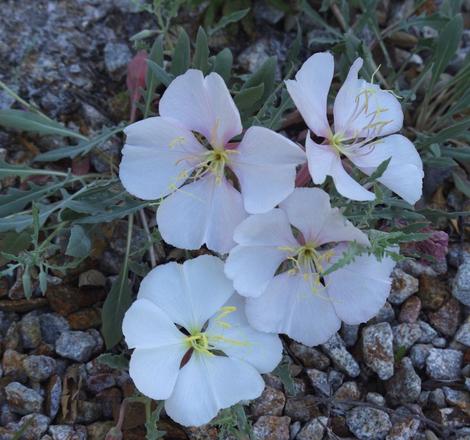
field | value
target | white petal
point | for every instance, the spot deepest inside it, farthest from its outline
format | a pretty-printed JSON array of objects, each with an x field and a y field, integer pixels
[
  {"x": 206, "y": 211},
  {"x": 203, "y": 105},
  {"x": 252, "y": 264},
  {"x": 156, "y": 157},
  {"x": 309, "y": 91},
  {"x": 237, "y": 339},
  {"x": 363, "y": 110},
  {"x": 155, "y": 370},
  {"x": 147, "y": 326},
  {"x": 309, "y": 210},
  {"x": 404, "y": 174},
  {"x": 265, "y": 165},
  {"x": 359, "y": 290},
  {"x": 189, "y": 293},
  {"x": 290, "y": 306},
  {"x": 207, "y": 384},
  {"x": 323, "y": 161}
]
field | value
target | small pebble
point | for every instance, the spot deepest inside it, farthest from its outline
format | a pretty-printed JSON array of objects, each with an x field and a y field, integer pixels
[
  {"x": 463, "y": 334},
  {"x": 39, "y": 368},
  {"x": 403, "y": 286},
  {"x": 272, "y": 428},
  {"x": 446, "y": 319},
  {"x": 461, "y": 284},
  {"x": 368, "y": 423},
  {"x": 52, "y": 325},
  {"x": 444, "y": 364},
  {"x": 405, "y": 385},
  {"x": 410, "y": 310},
  {"x": 375, "y": 398},
  {"x": 419, "y": 353},
  {"x": 23, "y": 400},
  {"x": 309, "y": 356},
  {"x": 270, "y": 403},
  {"x": 341, "y": 357},
  {"x": 75, "y": 345},
  {"x": 405, "y": 335},
  {"x": 313, "y": 430},
  {"x": 377, "y": 348},
  {"x": 30, "y": 330}
]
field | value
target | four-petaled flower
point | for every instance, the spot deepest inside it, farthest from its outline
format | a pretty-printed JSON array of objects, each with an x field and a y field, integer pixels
[
  {"x": 362, "y": 112},
  {"x": 226, "y": 356},
  {"x": 188, "y": 145},
  {"x": 300, "y": 301}
]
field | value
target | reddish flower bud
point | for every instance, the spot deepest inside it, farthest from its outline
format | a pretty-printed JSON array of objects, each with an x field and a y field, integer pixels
[{"x": 136, "y": 72}]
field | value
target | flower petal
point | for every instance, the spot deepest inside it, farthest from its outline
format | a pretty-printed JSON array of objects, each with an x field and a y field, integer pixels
[
  {"x": 203, "y": 105},
  {"x": 147, "y": 326},
  {"x": 363, "y": 110},
  {"x": 156, "y": 157},
  {"x": 189, "y": 293},
  {"x": 207, "y": 384},
  {"x": 323, "y": 161},
  {"x": 237, "y": 339},
  {"x": 404, "y": 174},
  {"x": 289, "y": 306},
  {"x": 252, "y": 264},
  {"x": 359, "y": 290},
  {"x": 265, "y": 166},
  {"x": 206, "y": 211},
  {"x": 309, "y": 210},
  {"x": 155, "y": 370},
  {"x": 309, "y": 91}
]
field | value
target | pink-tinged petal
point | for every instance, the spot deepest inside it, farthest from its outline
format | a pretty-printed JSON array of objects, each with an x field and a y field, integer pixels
[
  {"x": 363, "y": 110},
  {"x": 203, "y": 212},
  {"x": 146, "y": 325},
  {"x": 309, "y": 210},
  {"x": 233, "y": 335},
  {"x": 404, "y": 174},
  {"x": 360, "y": 289},
  {"x": 265, "y": 164},
  {"x": 263, "y": 240},
  {"x": 207, "y": 384},
  {"x": 155, "y": 370},
  {"x": 157, "y": 156},
  {"x": 203, "y": 105},
  {"x": 188, "y": 293},
  {"x": 290, "y": 306},
  {"x": 320, "y": 160},
  {"x": 309, "y": 91}
]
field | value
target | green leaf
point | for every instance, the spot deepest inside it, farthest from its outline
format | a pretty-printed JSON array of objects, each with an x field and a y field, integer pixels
[
  {"x": 282, "y": 371},
  {"x": 446, "y": 47},
  {"x": 461, "y": 153},
  {"x": 27, "y": 285},
  {"x": 349, "y": 255},
  {"x": 264, "y": 75},
  {"x": 223, "y": 63},
  {"x": 463, "y": 185},
  {"x": 79, "y": 244},
  {"x": 377, "y": 174},
  {"x": 13, "y": 243},
  {"x": 43, "y": 281},
  {"x": 115, "y": 306},
  {"x": 247, "y": 98},
  {"x": 181, "y": 55},
  {"x": 34, "y": 123},
  {"x": 143, "y": 34},
  {"x": 81, "y": 149},
  {"x": 201, "y": 55},
  {"x": 160, "y": 74},
  {"x": 452, "y": 132},
  {"x": 151, "y": 81},
  {"x": 116, "y": 212},
  {"x": 227, "y": 19},
  {"x": 116, "y": 361},
  {"x": 7, "y": 170}
]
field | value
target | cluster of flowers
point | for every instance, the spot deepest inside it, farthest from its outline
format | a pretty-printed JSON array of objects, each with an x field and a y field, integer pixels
[{"x": 203, "y": 331}]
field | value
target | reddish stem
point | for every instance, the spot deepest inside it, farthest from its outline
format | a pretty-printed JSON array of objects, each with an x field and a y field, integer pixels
[{"x": 303, "y": 176}]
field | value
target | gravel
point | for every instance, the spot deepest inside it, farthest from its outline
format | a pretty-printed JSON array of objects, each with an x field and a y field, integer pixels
[
  {"x": 377, "y": 348},
  {"x": 23, "y": 400},
  {"x": 340, "y": 356},
  {"x": 75, "y": 345},
  {"x": 39, "y": 368},
  {"x": 461, "y": 284},
  {"x": 368, "y": 423},
  {"x": 403, "y": 286},
  {"x": 444, "y": 364}
]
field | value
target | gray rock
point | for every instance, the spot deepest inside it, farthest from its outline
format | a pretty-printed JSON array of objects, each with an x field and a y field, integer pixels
[
  {"x": 405, "y": 385},
  {"x": 404, "y": 429},
  {"x": 39, "y": 368},
  {"x": 341, "y": 357},
  {"x": 52, "y": 325},
  {"x": 461, "y": 284},
  {"x": 271, "y": 427},
  {"x": 437, "y": 398},
  {"x": 61, "y": 432},
  {"x": 368, "y": 423},
  {"x": 439, "y": 342},
  {"x": 376, "y": 399},
  {"x": 53, "y": 396},
  {"x": 419, "y": 354},
  {"x": 444, "y": 364},
  {"x": 23, "y": 400},
  {"x": 456, "y": 397},
  {"x": 294, "y": 429},
  {"x": 30, "y": 330},
  {"x": 266, "y": 12},
  {"x": 349, "y": 333},
  {"x": 301, "y": 408},
  {"x": 309, "y": 356},
  {"x": 335, "y": 379},
  {"x": 116, "y": 59},
  {"x": 463, "y": 334},
  {"x": 377, "y": 347},
  {"x": 319, "y": 381},
  {"x": 88, "y": 412},
  {"x": 75, "y": 345},
  {"x": 270, "y": 403},
  {"x": 385, "y": 314},
  {"x": 36, "y": 425},
  {"x": 405, "y": 335},
  {"x": 403, "y": 286},
  {"x": 255, "y": 55},
  {"x": 313, "y": 430},
  {"x": 348, "y": 391},
  {"x": 427, "y": 333}
]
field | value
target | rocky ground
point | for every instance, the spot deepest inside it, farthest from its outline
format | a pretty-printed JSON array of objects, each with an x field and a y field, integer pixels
[{"x": 403, "y": 375}]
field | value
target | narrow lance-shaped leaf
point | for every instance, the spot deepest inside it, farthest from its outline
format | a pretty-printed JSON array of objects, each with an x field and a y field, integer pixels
[
  {"x": 201, "y": 54},
  {"x": 246, "y": 98},
  {"x": 228, "y": 19},
  {"x": 181, "y": 55},
  {"x": 151, "y": 80},
  {"x": 164, "y": 77},
  {"x": 34, "y": 123},
  {"x": 223, "y": 63}
]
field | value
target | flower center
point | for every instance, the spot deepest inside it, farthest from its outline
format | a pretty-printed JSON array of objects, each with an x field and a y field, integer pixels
[
  {"x": 199, "y": 342},
  {"x": 336, "y": 141},
  {"x": 214, "y": 162}
]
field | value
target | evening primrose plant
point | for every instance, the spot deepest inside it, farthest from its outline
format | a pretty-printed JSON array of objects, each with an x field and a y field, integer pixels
[{"x": 273, "y": 232}]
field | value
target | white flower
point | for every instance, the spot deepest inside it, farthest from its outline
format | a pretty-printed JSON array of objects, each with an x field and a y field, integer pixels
[
  {"x": 299, "y": 301},
  {"x": 188, "y": 145},
  {"x": 209, "y": 318},
  {"x": 362, "y": 113}
]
